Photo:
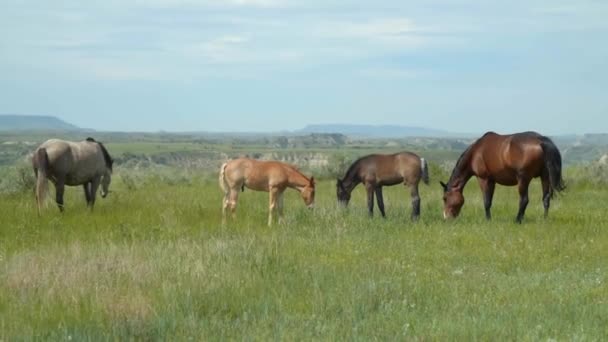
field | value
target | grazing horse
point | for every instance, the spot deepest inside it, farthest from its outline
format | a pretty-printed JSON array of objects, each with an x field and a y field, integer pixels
[
  {"x": 507, "y": 160},
  {"x": 378, "y": 170},
  {"x": 85, "y": 163},
  {"x": 270, "y": 176}
]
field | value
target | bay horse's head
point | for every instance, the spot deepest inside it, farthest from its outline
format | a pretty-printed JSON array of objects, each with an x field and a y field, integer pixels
[
  {"x": 308, "y": 193},
  {"x": 453, "y": 200},
  {"x": 342, "y": 194}
]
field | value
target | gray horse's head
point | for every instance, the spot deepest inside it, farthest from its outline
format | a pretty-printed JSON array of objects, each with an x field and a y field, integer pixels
[{"x": 106, "y": 179}]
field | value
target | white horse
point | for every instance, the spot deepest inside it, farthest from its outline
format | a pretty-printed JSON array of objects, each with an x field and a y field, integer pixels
[{"x": 85, "y": 163}]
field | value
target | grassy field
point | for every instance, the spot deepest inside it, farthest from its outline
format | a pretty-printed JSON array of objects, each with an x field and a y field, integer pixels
[{"x": 153, "y": 262}]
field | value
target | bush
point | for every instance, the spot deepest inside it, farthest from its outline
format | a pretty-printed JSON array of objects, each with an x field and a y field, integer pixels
[{"x": 17, "y": 179}]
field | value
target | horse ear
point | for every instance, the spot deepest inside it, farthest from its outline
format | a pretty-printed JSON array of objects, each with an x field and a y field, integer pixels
[{"x": 444, "y": 186}]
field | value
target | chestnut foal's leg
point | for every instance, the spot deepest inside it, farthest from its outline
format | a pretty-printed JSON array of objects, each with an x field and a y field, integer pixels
[
  {"x": 274, "y": 195},
  {"x": 280, "y": 203}
]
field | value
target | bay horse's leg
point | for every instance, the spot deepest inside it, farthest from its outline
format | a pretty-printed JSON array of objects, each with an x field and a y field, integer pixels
[
  {"x": 272, "y": 205},
  {"x": 547, "y": 192},
  {"x": 380, "y": 200},
  {"x": 487, "y": 188},
  {"x": 369, "y": 187},
  {"x": 522, "y": 186},
  {"x": 415, "y": 201},
  {"x": 59, "y": 189}
]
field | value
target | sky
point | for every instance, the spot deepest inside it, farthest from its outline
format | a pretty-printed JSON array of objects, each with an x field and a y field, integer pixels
[{"x": 273, "y": 65}]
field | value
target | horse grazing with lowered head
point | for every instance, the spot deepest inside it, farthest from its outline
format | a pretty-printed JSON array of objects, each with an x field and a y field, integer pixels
[
  {"x": 510, "y": 160},
  {"x": 85, "y": 163},
  {"x": 270, "y": 176},
  {"x": 378, "y": 170}
]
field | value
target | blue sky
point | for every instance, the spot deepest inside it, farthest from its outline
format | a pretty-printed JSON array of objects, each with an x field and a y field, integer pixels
[{"x": 270, "y": 65}]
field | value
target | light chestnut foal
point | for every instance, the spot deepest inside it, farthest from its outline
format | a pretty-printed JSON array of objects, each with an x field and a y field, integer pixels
[{"x": 270, "y": 176}]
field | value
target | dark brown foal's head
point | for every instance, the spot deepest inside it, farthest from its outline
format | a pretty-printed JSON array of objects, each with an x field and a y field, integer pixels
[
  {"x": 308, "y": 193},
  {"x": 342, "y": 193},
  {"x": 453, "y": 200}
]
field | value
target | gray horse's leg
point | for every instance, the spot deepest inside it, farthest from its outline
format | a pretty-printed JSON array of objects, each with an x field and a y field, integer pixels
[
  {"x": 87, "y": 192},
  {"x": 59, "y": 189},
  {"x": 94, "y": 187}
]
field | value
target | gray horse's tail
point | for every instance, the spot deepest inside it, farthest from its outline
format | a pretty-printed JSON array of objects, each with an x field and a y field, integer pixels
[
  {"x": 424, "y": 167},
  {"x": 41, "y": 167}
]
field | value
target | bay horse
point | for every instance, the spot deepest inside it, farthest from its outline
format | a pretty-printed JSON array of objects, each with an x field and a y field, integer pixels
[
  {"x": 271, "y": 176},
  {"x": 85, "y": 163},
  {"x": 378, "y": 170},
  {"x": 509, "y": 160}
]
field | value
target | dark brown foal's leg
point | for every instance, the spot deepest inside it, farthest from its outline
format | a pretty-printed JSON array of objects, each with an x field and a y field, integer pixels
[
  {"x": 487, "y": 188},
  {"x": 380, "y": 200},
  {"x": 415, "y": 202},
  {"x": 370, "y": 187},
  {"x": 522, "y": 187},
  {"x": 547, "y": 192}
]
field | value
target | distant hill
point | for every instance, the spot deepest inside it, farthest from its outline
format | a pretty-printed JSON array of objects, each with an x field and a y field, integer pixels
[
  {"x": 34, "y": 123},
  {"x": 371, "y": 131}
]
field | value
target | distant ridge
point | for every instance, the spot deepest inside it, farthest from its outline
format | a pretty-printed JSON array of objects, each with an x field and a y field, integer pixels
[
  {"x": 11, "y": 122},
  {"x": 372, "y": 131}
]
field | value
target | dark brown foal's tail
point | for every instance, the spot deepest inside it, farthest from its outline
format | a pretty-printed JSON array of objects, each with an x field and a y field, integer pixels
[
  {"x": 553, "y": 164},
  {"x": 424, "y": 167},
  {"x": 41, "y": 167}
]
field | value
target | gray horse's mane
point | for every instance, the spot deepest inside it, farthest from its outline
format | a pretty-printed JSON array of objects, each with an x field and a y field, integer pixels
[{"x": 106, "y": 155}]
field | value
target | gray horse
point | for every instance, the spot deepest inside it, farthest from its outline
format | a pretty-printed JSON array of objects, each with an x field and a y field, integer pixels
[{"x": 85, "y": 163}]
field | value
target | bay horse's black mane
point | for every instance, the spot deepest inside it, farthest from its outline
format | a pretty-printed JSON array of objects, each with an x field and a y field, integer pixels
[
  {"x": 458, "y": 168},
  {"x": 104, "y": 151},
  {"x": 460, "y": 163}
]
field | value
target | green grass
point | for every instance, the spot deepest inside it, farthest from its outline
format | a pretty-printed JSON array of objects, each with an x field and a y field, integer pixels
[{"x": 155, "y": 263}]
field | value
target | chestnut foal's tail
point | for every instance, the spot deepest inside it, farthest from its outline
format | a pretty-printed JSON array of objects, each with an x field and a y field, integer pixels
[
  {"x": 222, "y": 180},
  {"x": 424, "y": 167},
  {"x": 553, "y": 163},
  {"x": 41, "y": 168}
]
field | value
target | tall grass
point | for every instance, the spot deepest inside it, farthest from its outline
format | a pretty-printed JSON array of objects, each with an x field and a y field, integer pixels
[{"x": 152, "y": 261}]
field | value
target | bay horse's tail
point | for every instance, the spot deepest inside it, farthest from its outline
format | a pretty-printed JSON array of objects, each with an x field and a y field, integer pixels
[
  {"x": 553, "y": 163},
  {"x": 424, "y": 167},
  {"x": 41, "y": 168}
]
